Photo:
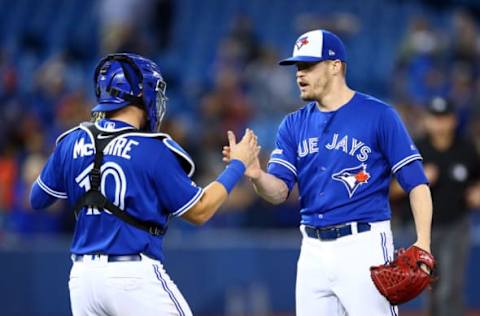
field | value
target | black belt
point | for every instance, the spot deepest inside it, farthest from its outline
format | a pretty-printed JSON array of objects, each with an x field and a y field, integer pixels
[
  {"x": 334, "y": 232},
  {"x": 111, "y": 258}
]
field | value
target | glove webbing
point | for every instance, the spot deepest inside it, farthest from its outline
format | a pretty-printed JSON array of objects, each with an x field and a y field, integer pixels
[{"x": 94, "y": 198}]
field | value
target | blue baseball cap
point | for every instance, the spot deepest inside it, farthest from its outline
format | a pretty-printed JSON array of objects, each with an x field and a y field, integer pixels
[{"x": 315, "y": 46}]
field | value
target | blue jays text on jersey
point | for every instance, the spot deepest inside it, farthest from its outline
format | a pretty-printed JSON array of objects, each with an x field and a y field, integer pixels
[
  {"x": 342, "y": 160},
  {"x": 145, "y": 174}
]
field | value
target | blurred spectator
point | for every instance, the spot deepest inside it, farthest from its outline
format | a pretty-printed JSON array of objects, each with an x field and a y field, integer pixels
[
  {"x": 31, "y": 136},
  {"x": 342, "y": 23},
  {"x": 453, "y": 168},
  {"x": 161, "y": 17},
  {"x": 71, "y": 109},
  {"x": 271, "y": 87},
  {"x": 8, "y": 175},
  {"x": 244, "y": 37},
  {"x": 462, "y": 94},
  {"x": 49, "y": 87},
  {"x": 236, "y": 50},
  {"x": 120, "y": 25},
  {"x": 451, "y": 165},
  {"x": 23, "y": 219},
  {"x": 412, "y": 117},
  {"x": 419, "y": 70},
  {"x": 465, "y": 40},
  {"x": 272, "y": 92},
  {"x": 474, "y": 126},
  {"x": 226, "y": 106}
]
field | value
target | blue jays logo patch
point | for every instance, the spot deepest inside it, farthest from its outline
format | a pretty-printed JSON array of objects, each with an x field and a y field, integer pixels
[
  {"x": 352, "y": 178},
  {"x": 302, "y": 42}
]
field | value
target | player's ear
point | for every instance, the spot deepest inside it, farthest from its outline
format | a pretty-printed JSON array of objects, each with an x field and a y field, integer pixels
[
  {"x": 344, "y": 68},
  {"x": 336, "y": 67}
]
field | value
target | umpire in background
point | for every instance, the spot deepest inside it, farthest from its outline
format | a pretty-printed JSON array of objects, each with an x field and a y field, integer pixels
[{"x": 451, "y": 165}]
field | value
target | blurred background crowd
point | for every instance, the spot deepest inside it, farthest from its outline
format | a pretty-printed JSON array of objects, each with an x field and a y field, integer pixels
[{"x": 219, "y": 59}]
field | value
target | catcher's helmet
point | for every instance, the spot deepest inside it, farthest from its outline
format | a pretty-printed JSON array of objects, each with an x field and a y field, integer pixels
[{"x": 128, "y": 79}]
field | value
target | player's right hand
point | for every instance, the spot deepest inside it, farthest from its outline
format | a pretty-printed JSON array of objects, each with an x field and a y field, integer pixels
[
  {"x": 254, "y": 170},
  {"x": 246, "y": 150}
]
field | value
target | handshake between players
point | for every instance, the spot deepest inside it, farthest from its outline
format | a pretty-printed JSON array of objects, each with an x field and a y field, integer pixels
[{"x": 243, "y": 151}]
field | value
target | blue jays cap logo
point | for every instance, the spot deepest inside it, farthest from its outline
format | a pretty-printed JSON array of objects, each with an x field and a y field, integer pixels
[
  {"x": 352, "y": 178},
  {"x": 302, "y": 41}
]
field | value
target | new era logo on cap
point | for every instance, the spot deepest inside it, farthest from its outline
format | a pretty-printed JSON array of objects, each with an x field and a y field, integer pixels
[{"x": 315, "y": 46}]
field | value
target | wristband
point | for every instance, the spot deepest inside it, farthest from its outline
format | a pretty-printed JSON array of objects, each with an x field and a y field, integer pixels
[{"x": 232, "y": 174}]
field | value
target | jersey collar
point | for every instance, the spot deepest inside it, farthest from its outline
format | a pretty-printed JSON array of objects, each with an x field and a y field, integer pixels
[
  {"x": 349, "y": 102},
  {"x": 113, "y": 125}
]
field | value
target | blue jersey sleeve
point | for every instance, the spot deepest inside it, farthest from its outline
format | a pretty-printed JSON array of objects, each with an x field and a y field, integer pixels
[
  {"x": 282, "y": 163},
  {"x": 50, "y": 179},
  {"x": 411, "y": 175},
  {"x": 395, "y": 142},
  {"x": 39, "y": 198},
  {"x": 176, "y": 191}
]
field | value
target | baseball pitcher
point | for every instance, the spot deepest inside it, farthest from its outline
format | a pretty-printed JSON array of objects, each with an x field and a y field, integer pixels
[{"x": 342, "y": 148}]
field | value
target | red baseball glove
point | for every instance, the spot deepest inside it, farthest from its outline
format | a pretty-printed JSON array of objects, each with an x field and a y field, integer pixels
[{"x": 403, "y": 279}]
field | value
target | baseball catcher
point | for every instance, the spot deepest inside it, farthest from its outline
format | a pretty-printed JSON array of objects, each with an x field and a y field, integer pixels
[{"x": 406, "y": 276}]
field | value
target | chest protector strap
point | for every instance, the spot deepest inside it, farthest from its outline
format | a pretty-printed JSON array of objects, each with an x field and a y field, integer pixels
[{"x": 95, "y": 198}]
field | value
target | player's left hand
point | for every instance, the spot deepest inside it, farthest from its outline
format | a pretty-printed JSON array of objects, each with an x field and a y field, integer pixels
[
  {"x": 246, "y": 150},
  {"x": 424, "y": 247},
  {"x": 253, "y": 170},
  {"x": 401, "y": 279}
]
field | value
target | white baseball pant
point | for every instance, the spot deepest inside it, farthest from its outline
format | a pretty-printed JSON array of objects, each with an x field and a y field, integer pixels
[
  {"x": 98, "y": 287},
  {"x": 333, "y": 277}
]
